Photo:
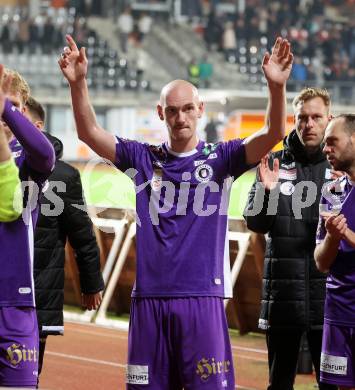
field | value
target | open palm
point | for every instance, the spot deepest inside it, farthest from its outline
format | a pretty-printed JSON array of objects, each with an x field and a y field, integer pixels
[
  {"x": 277, "y": 66},
  {"x": 268, "y": 177},
  {"x": 73, "y": 62}
]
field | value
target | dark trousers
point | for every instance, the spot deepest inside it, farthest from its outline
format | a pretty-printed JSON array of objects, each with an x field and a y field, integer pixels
[{"x": 283, "y": 349}]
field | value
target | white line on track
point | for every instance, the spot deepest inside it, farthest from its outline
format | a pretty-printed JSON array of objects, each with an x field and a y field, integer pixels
[
  {"x": 101, "y": 334},
  {"x": 257, "y": 350},
  {"x": 237, "y": 356},
  {"x": 84, "y": 359},
  {"x": 106, "y": 363}
]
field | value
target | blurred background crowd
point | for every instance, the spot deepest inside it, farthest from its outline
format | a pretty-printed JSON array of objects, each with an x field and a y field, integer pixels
[{"x": 216, "y": 44}]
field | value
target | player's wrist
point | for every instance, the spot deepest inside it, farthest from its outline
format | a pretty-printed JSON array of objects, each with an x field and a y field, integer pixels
[{"x": 78, "y": 83}]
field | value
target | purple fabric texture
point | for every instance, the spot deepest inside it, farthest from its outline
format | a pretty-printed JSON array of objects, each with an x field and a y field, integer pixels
[
  {"x": 177, "y": 343},
  {"x": 18, "y": 347},
  {"x": 39, "y": 151},
  {"x": 338, "y": 355},
  {"x": 340, "y": 296},
  {"x": 182, "y": 216}
]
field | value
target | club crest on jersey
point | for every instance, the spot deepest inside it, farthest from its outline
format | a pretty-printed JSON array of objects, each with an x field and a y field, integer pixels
[
  {"x": 204, "y": 173},
  {"x": 157, "y": 179}
]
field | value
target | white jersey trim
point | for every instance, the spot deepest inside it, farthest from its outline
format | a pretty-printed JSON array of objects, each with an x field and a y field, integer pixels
[{"x": 184, "y": 154}]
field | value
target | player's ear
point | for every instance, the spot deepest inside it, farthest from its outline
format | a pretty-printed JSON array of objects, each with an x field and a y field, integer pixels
[
  {"x": 160, "y": 112},
  {"x": 201, "y": 109}
]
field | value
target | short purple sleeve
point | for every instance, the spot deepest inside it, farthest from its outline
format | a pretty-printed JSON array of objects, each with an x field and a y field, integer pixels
[
  {"x": 128, "y": 154},
  {"x": 235, "y": 158}
]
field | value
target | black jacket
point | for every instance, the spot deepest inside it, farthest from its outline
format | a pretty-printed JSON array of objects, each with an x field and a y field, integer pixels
[
  {"x": 50, "y": 239},
  {"x": 293, "y": 289}
]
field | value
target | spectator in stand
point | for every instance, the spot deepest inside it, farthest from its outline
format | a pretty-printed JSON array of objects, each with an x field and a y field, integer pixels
[
  {"x": 23, "y": 34},
  {"x": 144, "y": 26},
  {"x": 229, "y": 41},
  {"x": 125, "y": 25},
  {"x": 212, "y": 31},
  {"x": 205, "y": 71},
  {"x": 48, "y": 36},
  {"x": 299, "y": 72},
  {"x": 193, "y": 72}
]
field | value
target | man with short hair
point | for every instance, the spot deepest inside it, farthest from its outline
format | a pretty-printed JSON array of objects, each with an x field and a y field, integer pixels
[
  {"x": 335, "y": 252},
  {"x": 280, "y": 205},
  {"x": 34, "y": 157},
  {"x": 52, "y": 232},
  {"x": 178, "y": 329}
]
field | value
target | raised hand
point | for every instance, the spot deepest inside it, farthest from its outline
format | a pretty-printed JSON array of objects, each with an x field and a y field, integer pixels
[
  {"x": 73, "y": 62},
  {"x": 5, "y": 83},
  {"x": 277, "y": 66},
  {"x": 268, "y": 177}
]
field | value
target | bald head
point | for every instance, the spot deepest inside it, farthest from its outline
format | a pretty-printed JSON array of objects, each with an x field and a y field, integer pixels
[
  {"x": 180, "y": 107},
  {"x": 179, "y": 88}
]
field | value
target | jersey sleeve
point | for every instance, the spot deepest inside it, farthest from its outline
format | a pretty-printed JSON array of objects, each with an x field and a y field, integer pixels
[
  {"x": 235, "y": 158},
  {"x": 128, "y": 154}
]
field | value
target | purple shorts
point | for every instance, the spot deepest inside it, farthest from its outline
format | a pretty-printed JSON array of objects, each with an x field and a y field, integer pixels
[
  {"x": 338, "y": 355},
  {"x": 176, "y": 343},
  {"x": 18, "y": 347}
]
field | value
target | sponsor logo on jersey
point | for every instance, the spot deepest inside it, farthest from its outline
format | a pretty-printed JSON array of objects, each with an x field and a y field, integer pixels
[
  {"x": 137, "y": 375},
  {"x": 212, "y": 156},
  {"x": 209, "y": 148},
  {"x": 209, "y": 367},
  {"x": 24, "y": 290},
  {"x": 204, "y": 173},
  {"x": 334, "y": 364},
  {"x": 18, "y": 353},
  {"x": 16, "y": 154},
  {"x": 288, "y": 166},
  {"x": 290, "y": 174},
  {"x": 198, "y": 162}
]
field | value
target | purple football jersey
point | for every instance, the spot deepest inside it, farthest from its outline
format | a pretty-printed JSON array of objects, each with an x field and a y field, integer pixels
[
  {"x": 16, "y": 240},
  {"x": 182, "y": 225},
  {"x": 340, "y": 298}
]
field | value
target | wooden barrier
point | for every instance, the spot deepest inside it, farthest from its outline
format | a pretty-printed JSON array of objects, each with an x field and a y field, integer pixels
[{"x": 115, "y": 230}]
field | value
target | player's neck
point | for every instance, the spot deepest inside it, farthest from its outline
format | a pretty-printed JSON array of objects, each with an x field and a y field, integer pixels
[{"x": 183, "y": 146}]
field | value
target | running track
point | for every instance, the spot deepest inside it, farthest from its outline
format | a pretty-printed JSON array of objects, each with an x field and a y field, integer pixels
[{"x": 90, "y": 357}]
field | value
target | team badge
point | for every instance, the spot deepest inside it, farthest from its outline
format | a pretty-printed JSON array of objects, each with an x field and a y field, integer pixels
[
  {"x": 287, "y": 188},
  {"x": 204, "y": 173}
]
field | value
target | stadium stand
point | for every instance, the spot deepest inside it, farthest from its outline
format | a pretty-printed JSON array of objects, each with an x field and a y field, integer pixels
[{"x": 231, "y": 35}]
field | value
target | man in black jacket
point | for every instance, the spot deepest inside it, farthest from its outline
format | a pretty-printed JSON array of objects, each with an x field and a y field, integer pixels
[
  {"x": 60, "y": 219},
  {"x": 283, "y": 202}
]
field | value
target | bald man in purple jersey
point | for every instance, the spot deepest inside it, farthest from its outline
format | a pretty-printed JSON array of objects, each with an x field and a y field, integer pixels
[
  {"x": 34, "y": 157},
  {"x": 335, "y": 252},
  {"x": 178, "y": 335}
]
